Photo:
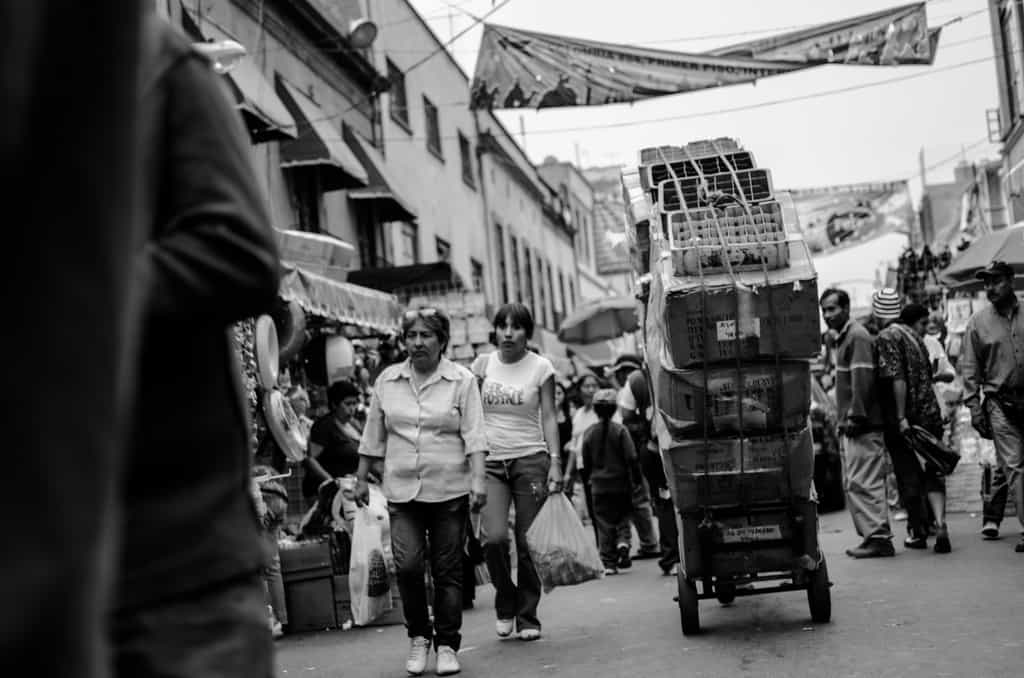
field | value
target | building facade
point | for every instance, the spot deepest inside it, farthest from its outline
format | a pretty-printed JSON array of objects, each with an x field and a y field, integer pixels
[{"x": 1007, "y": 20}]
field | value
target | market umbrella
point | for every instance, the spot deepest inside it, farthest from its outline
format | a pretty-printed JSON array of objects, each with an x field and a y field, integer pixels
[
  {"x": 1004, "y": 245},
  {"x": 600, "y": 320}
]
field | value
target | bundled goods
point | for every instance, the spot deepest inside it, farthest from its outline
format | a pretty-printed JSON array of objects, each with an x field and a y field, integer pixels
[{"x": 733, "y": 324}]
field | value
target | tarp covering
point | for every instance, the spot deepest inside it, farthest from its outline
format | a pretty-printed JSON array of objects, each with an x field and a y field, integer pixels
[
  {"x": 383, "y": 188},
  {"x": 1005, "y": 245},
  {"x": 525, "y": 69},
  {"x": 344, "y": 302}
]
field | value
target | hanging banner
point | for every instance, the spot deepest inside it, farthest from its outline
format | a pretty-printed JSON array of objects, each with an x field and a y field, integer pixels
[
  {"x": 891, "y": 37},
  {"x": 836, "y": 216},
  {"x": 524, "y": 69}
]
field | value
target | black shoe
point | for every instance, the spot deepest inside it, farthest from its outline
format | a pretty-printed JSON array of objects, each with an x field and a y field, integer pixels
[
  {"x": 918, "y": 543},
  {"x": 625, "y": 562},
  {"x": 648, "y": 554},
  {"x": 873, "y": 548},
  {"x": 862, "y": 545},
  {"x": 1019, "y": 548}
]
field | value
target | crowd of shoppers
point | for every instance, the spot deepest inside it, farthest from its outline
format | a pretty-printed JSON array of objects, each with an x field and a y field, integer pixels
[{"x": 890, "y": 390}]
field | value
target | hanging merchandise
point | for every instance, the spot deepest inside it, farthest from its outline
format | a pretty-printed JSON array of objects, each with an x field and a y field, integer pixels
[
  {"x": 284, "y": 425},
  {"x": 290, "y": 320},
  {"x": 266, "y": 349}
]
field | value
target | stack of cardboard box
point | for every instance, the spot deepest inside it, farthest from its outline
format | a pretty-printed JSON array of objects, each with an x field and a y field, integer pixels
[
  {"x": 731, "y": 325},
  {"x": 471, "y": 326}
]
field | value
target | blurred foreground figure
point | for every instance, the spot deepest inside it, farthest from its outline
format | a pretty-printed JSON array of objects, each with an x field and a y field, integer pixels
[
  {"x": 68, "y": 94},
  {"x": 190, "y": 595}
]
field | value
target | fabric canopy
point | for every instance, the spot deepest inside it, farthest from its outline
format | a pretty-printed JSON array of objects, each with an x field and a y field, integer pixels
[
  {"x": 439, "y": 275},
  {"x": 344, "y": 302},
  {"x": 319, "y": 143},
  {"x": 382, "y": 189},
  {"x": 265, "y": 115},
  {"x": 600, "y": 320},
  {"x": 1005, "y": 245}
]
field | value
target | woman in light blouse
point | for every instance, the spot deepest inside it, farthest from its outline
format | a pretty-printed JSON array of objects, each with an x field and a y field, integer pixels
[{"x": 425, "y": 435}]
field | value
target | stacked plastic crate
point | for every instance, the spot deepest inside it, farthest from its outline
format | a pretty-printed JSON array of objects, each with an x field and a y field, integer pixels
[{"x": 732, "y": 323}]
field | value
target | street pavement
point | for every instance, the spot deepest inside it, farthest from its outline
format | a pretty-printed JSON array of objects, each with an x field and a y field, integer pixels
[{"x": 918, "y": 614}]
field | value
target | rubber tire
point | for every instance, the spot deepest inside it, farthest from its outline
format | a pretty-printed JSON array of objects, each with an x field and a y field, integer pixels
[
  {"x": 819, "y": 598},
  {"x": 726, "y": 593},
  {"x": 689, "y": 609}
]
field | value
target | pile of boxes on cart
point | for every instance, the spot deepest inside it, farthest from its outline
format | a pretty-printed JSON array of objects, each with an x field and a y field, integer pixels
[
  {"x": 732, "y": 323},
  {"x": 471, "y": 327}
]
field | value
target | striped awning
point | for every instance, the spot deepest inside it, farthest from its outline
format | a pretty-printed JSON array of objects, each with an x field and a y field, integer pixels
[{"x": 359, "y": 307}]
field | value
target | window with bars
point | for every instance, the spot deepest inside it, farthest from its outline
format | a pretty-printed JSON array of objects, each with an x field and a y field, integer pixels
[
  {"x": 517, "y": 281},
  {"x": 477, "y": 275},
  {"x": 561, "y": 293},
  {"x": 499, "y": 235},
  {"x": 307, "y": 197},
  {"x": 399, "y": 100},
  {"x": 542, "y": 288},
  {"x": 408, "y": 244},
  {"x": 444, "y": 249},
  {"x": 529, "y": 301},
  {"x": 433, "y": 128},
  {"x": 466, "y": 153}
]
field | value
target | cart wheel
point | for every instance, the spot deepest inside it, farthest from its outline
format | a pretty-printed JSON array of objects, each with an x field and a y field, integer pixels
[
  {"x": 818, "y": 597},
  {"x": 689, "y": 613},
  {"x": 726, "y": 593}
]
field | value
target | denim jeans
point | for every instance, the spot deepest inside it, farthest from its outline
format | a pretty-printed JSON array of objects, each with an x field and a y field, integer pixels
[
  {"x": 994, "y": 501},
  {"x": 1008, "y": 438},
  {"x": 523, "y": 482},
  {"x": 443, "y": 525},
  {"x": 611, "y": 512},
  {"x": 215, "y": 633}
]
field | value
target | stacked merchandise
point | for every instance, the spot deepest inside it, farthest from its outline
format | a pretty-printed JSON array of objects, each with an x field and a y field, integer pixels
[
  {"x": 471, "y": 327},
  {"x": 731, "y": 328}
]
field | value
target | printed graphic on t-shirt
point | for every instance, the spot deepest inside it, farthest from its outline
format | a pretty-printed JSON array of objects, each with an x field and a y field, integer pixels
[{"x": 496, "y": 395}]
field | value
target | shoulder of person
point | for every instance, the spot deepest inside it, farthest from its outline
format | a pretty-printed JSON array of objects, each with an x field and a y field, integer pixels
[
  {"x": 390, "y": 373},
  {"x": 480, "y": 363},
  {"x": 454, "y": 371}
]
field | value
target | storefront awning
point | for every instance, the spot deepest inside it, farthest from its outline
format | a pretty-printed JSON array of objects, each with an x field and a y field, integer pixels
[
  {"x": 417, "y": 278},
  {"x": 319, "y": 143},
  {"x": 343, "y": 302},
  {"x": 382, "y": 189},
  {"x": 265, "y": 115}
]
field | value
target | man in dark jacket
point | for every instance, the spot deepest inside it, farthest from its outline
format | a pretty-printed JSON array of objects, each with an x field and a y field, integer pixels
[
  {"x": 190, "y": 600},
  {"x": 861, "y": 425}
]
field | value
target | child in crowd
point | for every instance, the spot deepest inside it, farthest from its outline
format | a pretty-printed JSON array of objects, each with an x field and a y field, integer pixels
[{"x": 610, "y": 469}]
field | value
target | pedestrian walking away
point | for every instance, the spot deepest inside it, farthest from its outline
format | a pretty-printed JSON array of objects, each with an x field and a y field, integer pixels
[
  {"x": 425, "y": 437},
  {"x": 192, "y": 553},
  {"x": 860, "y": 420},
  {"x": 992, "y": 366},
  {"x": 636, "y": 411},
  {"x": 612, "y": 470},
  {"x": 518, "y": 393},
  {"x": 907, "y": 394},
  {"x": 584, "y": 417}
]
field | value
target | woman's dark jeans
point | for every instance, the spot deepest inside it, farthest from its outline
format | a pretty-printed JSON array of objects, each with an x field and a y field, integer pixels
[
  {"x": 444, "y": 525},
  {"x": 522, "y": 482}
]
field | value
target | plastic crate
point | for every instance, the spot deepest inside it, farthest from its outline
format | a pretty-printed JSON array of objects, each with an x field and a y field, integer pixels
[
  {"x": 734, "y": 224},
  {"x": 694, "y": 149},
  {"x": 755, "y": 185},
  {"x": 687, "y": 166}
]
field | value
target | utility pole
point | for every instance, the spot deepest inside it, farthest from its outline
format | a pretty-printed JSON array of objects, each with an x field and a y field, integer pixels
[
  {"x": 921, "y": 224},
  {"x": 576, "y": 147}
]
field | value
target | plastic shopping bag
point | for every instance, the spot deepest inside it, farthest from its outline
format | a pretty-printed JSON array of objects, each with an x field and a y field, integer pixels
[
  {"x": 370, "y": 568},
  {"x": 560, "y": 548}
]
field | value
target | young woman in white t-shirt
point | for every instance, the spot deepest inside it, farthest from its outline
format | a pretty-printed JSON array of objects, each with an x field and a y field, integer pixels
[{"x": 523, "y": 466}]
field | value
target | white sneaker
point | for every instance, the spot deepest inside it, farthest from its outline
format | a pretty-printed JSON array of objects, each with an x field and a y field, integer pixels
[
  {"x": 419, "y": 648},
  {"x": 529, "y": 634},
  {"x": 447, "y": 661},
  {"x": 990, "y": 530},
  {"x": 504, "y": 627}
]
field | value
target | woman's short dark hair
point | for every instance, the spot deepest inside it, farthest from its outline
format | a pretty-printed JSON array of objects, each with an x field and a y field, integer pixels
[
  {"x": 339, "y": 391},
  {"x": 913, "y": 314},
  {"x": 434, "y": 319},
  {"x": 517, "y": 315}
]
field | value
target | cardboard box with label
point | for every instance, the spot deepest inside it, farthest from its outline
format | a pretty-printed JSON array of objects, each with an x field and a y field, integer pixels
[
  {"x": 756, "y": 399},
  {"x": 773, "y": 313}
]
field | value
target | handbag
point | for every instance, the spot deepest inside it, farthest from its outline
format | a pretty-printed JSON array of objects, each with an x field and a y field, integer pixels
[{"x": 933, "y": 451}]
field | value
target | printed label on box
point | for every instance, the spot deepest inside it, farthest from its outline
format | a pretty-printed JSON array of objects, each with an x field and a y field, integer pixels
[
  {"x": 738, "y": 535},
  {"x": 726, "y": 329}
]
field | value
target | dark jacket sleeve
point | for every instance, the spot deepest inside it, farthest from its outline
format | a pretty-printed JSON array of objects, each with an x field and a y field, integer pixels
[
  {"x": 212, "y": 252},
  {"x": 862, "y": 375}
]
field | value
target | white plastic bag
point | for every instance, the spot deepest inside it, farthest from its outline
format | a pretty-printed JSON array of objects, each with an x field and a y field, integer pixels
[
  {"x": 560, "y": 548},
  {"x": 370, "y": 568}
]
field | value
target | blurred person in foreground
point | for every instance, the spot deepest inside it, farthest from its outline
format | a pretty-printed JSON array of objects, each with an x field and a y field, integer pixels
[
  {"x": 191, "y": 601},
  {"x": 992, "y": 367},
  {"x": 907, "y": 394},
  {"x": 425, "y": 437},
  {"x": 68, "y": 142},
  {"x": 861, "y": 426}
]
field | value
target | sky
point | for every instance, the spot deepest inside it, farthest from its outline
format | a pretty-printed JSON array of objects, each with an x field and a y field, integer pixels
[{"x": 871, "y": 134}]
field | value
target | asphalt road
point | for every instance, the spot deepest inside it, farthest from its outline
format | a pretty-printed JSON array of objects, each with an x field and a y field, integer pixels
[{"x": 918, "y": 614}]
